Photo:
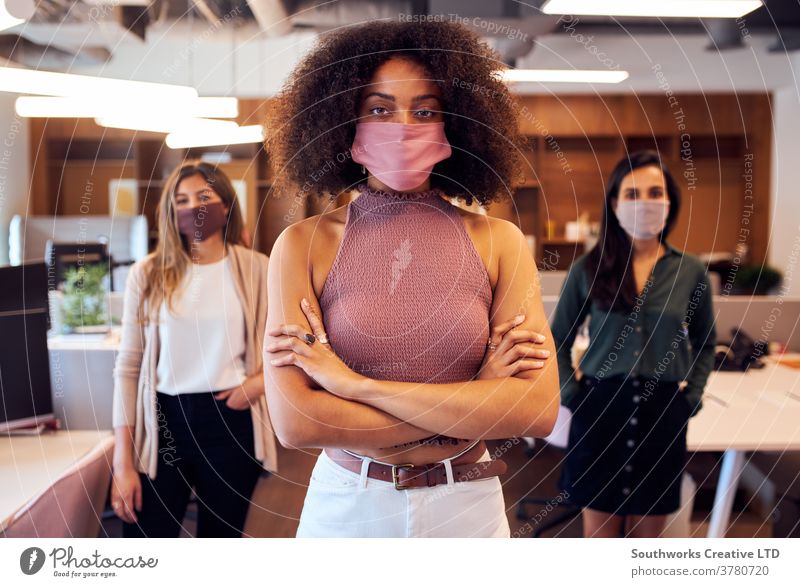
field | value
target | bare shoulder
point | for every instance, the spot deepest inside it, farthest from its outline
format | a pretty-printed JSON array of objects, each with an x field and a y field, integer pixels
[
  {"x": 507, "y": 230},
  {"x": 300, "y": 237},
  {"x": 500, "y": 232},
  {"x": 325, "y": 220}
]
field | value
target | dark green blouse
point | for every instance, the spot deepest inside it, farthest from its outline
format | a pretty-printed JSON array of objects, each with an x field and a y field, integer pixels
[{"x": 668, "y": 335}]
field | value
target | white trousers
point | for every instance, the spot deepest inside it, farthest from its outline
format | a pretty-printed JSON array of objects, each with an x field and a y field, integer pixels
[{"x": 342, "y": 503}]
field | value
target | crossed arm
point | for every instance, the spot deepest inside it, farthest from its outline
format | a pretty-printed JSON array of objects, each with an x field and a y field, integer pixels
[
  {"x": 302, "y": 416},
  {"x": 359, "y": 411}
]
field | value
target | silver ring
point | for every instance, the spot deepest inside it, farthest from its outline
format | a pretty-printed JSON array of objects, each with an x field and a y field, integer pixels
[
  {"x": 490, "y": 345},
  {"x": 323, "y": 338},
  {"x": 309, "y": 338}
]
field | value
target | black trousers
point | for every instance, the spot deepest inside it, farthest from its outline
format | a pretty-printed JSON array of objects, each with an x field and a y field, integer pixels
[{"x": 206, "y": 445}]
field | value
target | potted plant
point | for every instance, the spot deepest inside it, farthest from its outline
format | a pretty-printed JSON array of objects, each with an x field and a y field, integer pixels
[
  {"x": 84, "y": 308},
  {"x": 759, "y": 280}
]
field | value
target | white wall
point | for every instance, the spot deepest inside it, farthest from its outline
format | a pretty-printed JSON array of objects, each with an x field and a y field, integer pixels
[
  {"x": 205, "y": 56},
  {"x": 784, "y": 249},
  {"x": 217, "y": 62},
  {"x": 14, "y": 168}
]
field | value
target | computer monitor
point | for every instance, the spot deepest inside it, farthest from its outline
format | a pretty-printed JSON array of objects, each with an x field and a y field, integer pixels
[
  {"x": 63, "y": 256},
  {"x": 25, "y": 394}
]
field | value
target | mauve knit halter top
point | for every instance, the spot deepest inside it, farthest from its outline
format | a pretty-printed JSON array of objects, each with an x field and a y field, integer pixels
[{"x": 407, "y": 297}]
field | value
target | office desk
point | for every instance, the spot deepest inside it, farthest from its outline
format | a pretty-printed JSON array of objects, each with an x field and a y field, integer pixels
[
  {"x": 30, "y": 465},
  {"x": 757, "y": 410},
  {"x": 81, "y": 379}
]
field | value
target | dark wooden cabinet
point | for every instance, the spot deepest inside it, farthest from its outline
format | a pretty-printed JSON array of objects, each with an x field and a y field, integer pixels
[{"x": 708, "y": 141}]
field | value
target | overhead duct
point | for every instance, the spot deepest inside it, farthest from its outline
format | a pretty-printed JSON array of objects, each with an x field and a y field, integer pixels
[
  {"x": 272, "y": 17},
  {"x": 14, "y": 12},
  {"x": 61, "y": 35},
  {"x": 787, "y": 39},
  {"x": 218, "y": 12},
  {"x": 508, "y": 27},
  {"x": 510, "y": 49},
  {"x": 134, "y": 19},
  {"x": 25, "y": 52},
  {"x": 724, "y": 34},
  {"x": 324, "y": 16}
]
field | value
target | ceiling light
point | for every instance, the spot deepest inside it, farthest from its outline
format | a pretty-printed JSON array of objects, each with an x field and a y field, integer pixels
[
  {"x": 50, "y": 83},
  {"x": 70, "y": 107},
  {"x": 165, "y": 124},
  {"x": 593, "y": 76},
  {"x": 237, "y": 136},
  {"x": 653, "y": 8}
]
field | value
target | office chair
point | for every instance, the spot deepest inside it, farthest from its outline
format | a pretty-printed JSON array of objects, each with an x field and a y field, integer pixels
[
  {"x": 559, "y": 439},
  {"x": 73, "y": 506}
]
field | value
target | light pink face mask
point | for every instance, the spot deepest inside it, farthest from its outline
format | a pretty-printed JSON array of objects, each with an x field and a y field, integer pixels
[
  {"x": 400, "y": 155},
  {"x": 643, "y": 219}
]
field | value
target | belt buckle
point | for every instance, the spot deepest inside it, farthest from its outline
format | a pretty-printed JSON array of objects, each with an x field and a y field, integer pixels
[{"x": 395, "y": 478}]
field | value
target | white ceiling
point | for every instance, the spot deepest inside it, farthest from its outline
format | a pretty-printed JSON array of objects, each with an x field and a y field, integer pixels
[
  {"x": 245, "y": 63},
  {"x": 682, "y": 61}
]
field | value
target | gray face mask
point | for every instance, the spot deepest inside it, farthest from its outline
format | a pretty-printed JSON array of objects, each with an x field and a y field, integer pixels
[{"x": 643, "y": 219}]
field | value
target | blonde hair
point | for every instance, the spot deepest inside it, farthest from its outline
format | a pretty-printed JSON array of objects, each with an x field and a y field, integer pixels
[{"x": 170, "y": 259}]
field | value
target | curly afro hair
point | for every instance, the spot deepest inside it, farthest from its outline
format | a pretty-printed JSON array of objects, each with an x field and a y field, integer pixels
[{"x": 311, "y": 122}]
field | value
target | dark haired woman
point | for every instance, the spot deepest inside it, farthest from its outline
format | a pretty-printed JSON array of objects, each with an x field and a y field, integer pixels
[
  {"x": 189, "y": 404},
  {"x": 407, "y": 286},
  {"x": 651, "y": 350}
]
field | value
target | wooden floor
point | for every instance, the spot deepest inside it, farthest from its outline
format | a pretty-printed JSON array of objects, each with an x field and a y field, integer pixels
[{"x": 278, "y": 499}]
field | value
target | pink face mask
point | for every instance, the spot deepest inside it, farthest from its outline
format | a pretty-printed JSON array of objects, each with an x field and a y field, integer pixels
[{"x": 400, "y": 155}]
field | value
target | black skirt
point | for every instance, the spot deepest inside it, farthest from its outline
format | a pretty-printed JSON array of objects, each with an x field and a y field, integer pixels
[{"x": 627, "y": 446}]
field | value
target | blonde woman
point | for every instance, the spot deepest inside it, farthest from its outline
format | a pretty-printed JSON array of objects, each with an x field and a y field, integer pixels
[{"x": 189, "y": 405}]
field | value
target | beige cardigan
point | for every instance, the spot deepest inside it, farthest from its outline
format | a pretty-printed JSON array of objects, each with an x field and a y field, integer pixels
[{"x": 135, "y": 368}]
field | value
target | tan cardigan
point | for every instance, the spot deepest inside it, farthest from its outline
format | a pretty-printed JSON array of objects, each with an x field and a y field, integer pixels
[{"x": 135, "y": 368}]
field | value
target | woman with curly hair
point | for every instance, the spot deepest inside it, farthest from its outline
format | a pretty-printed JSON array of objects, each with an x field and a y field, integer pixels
[{"x": 380, "y": 310}]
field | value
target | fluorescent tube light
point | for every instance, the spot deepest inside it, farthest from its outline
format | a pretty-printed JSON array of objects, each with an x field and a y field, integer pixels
[
  {"x": 237, "y": 136},
  {"x": 653, "y": 8},
  {"x": 50, "y": 83},
  {"x": 70, "y": 107},
  {"x": 166, "y": 124},
  {"x": 593, "y": 76}
]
